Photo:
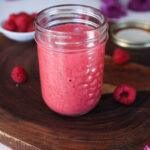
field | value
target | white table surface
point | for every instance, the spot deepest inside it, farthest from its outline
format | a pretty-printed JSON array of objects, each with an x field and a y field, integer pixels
[{"x": 7, "y": 7}]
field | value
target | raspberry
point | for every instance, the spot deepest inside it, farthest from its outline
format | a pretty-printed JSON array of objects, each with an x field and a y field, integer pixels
[
  {"x": 22, "y": 22},
  {"x": 120, "y": 56},
  {"x": 18, "y": 74},
  {"x": 23, "y": 14},
  {"x": 30, "y": 28},
  {"x": 33, "y": 15},
  {"x": 9, "y": 25},
  {"x": 12, "y": 17},
  {"x": 125, "y": 94}
]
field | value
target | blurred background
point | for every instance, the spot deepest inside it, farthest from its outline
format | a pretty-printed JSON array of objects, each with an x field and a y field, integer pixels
[{"x": 11, "y": 6}]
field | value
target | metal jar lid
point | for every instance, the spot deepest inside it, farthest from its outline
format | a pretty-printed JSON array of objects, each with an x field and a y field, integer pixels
[{"x": 133, "y": 35}]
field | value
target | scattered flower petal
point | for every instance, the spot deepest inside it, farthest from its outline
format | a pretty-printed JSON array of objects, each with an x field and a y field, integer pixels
[
  {"x": 139, "y": 5},
  {"x": 109, "y": 2},
  {"x": 113, "y": 9},
  {"x": 146, "y": 147}
]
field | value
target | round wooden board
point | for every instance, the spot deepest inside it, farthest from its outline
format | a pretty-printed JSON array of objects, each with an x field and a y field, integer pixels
[{"x": 27, "y": 122}]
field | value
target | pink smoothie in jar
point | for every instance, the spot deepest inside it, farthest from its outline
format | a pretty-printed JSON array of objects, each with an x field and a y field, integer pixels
[{"x": 71, "y": 59}]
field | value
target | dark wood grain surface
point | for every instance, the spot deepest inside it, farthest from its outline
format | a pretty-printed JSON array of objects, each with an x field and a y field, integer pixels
[{"x": 27, "y": 123}]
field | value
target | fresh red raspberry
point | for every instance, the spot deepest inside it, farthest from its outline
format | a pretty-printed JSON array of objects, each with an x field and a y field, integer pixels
[
  {"x": 120, "y": 56},
  {"x": 23, "y": 14},
  {"x": 30, "y": 27},
  {"x": 33, "y": 15},
  {"x": 22, "y": 22},
  {"x": 12, "y": 17},
  {"x": 125, "y": 94},
  {"x": 18, "y": 74},
  {"x": 9, "y": 25}
]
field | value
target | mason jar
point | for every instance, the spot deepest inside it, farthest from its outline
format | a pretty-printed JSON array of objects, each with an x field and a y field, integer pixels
[{"x": 71, "y": 43}]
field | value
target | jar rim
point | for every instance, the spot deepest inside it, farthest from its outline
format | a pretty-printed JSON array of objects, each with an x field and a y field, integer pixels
[{"x": 98, "y": 12}]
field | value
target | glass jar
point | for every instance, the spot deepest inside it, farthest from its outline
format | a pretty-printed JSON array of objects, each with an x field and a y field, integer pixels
[{"x": 71, "y": 43}]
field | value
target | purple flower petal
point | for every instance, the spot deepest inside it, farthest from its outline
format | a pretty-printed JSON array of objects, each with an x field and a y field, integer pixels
[
  {"x": 139, "y": 5},
  {"x": 113, "y": 9},
  {"x": 110, "y": 2},
  {"x": 146, "y": 147}
]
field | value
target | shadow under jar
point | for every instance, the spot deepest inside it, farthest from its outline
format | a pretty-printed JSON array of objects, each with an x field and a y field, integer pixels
[{"x": 71, "y": 43}]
